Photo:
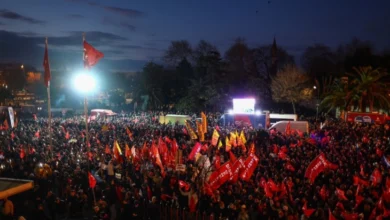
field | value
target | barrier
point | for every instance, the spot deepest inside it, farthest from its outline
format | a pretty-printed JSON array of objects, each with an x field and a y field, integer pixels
[{"x": 172, "y": 212}]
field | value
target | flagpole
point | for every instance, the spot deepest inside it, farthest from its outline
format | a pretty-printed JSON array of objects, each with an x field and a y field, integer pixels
[
  {"x": 49, "y": 112},
  {"x": 86, "y": 112}
]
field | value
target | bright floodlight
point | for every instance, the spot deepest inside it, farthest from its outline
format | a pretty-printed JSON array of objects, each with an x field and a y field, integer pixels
[
  {"x": 258, "y": 112},
  {"x": 244, "y": 106},
  {"x": 84, "y": 82},
  {"x": 230, "y": 111}
]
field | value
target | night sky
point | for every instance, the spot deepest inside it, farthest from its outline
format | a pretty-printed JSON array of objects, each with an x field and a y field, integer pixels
[{"x": 130, "y": 33}]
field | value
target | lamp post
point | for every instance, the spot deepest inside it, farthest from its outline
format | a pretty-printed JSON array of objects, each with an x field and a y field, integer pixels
[
  {"x": 85, "y": 83},
  {"x": 317, "y": 101}
]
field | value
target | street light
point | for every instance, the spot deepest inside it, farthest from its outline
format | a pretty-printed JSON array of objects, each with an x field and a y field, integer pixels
[
  {"x": 85, "y": 83},
  {"x": 318, "y": 97}
]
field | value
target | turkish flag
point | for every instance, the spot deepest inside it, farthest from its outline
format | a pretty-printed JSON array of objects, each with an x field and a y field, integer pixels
[
  {"x": 184, "y": 185},
  {"x": 46, "y": 66},
  {"x": 92, "y": 180},
  {"x": 91, "y": 55}
]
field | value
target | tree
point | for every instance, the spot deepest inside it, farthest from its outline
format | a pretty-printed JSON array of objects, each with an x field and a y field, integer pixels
[
  {"x": 322, "y": 65},
  {"x": 337, "y": 98},
  {"x": 177, "y": 51},
  {"x": 369, "y": 88},
  {"x": 117, "y": 97},
  {"x": 291, "y": 85},
  {"x": 150, "y": 84}
]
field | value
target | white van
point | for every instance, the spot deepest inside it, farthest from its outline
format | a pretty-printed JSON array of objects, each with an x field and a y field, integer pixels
[{"x": 302, "y": 126}]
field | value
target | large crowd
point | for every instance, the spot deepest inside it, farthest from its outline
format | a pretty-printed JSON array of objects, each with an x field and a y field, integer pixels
[{"x": 142, "y": 179}]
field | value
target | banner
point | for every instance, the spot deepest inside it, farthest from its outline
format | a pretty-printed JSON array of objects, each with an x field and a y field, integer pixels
[
  {"x": 249, "y": 167},
  {"x": 238, "y": 165},
  {"x": 11, "y": 116},
  {"x": 220, "y": 176}
]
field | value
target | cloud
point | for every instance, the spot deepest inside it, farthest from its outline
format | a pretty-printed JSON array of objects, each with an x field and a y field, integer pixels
[
  {"x": 4, "y": 13},
  {"x": 27, "y": 47},
  {"x": 110, "y": 22},
  {"x": 1, "y": 23},
  {"x": 139, "y": 47},
  {"x": 127, "y": 12},
  {"x": 75, "y": 16},
  {"x": 128, "y": 26},
  {"x": 124, "y": 11}
]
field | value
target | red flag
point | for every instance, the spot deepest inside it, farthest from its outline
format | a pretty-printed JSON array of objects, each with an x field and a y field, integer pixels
[
  {"x": 92, "y": 180},
  {"x": 37, "y": 134},
  {"x": 232, "y": 157},
  {"x": 46, "y": 66},
  {"x": 250, "y": 166},
  {"x": 323, "y": 193},
  {"x": 22, "y": 153},
  {"x": 376, "y": 177},
  {"x": 290, "y": 167},
  {"x": 350, "y": 216},
  {"x": 127, "y": 152},
  {"x": 331, "y": 217},
  {"x": 217, "y": 162},
  {"x": 67, "y": 136},
  {"x": 340, "y": 194},
  {"x": 220, "y": 176},
  {"x": 107, "y": 150},
  {"x": 156, "y": 155},
  {"x": 306, "y": 211},
  {"x": 288, "y": 129},
  {"x": 91, "y": 55},
  {"x": 319, "y": 164},
  {"x": 184, "y": 185},
  {"x": 194, "y": 151},
  {"x": 238, "y": 165}
]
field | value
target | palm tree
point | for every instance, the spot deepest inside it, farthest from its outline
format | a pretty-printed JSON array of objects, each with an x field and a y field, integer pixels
[
  {"x": 336, "y": 99},
  {"x": 365, "y": 87},
  {"x": 369, "y": 87}
]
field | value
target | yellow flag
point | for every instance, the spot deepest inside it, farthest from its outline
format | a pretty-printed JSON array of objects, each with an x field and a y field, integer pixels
[
  {"x": 204, "y": 122},
  {"x": 116, "y": 145},
  {"x": 233, "y": 139},
  {"x": 200, "y": 131},
  {"x": 191, "y": 131},
  {"x": 214, "y": 139},
  {"x": 227, "y": 144},
  {"x": 197, "y": 156},
  {"x": 219, "y": 144},
  {"x": 242, "y": 137}
]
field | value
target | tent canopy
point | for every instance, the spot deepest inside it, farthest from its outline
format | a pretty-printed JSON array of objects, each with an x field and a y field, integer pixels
[{"x": 10, "y": 187}]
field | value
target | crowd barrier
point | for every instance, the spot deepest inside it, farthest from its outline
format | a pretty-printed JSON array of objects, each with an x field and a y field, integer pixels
[{"x": 173, "y": 212}]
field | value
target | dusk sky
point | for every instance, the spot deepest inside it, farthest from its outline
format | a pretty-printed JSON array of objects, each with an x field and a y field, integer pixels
[{"x": 130, "y": 33}]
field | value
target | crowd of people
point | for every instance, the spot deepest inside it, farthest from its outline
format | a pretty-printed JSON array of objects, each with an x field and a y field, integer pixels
[{"x": 133, "y": 160}]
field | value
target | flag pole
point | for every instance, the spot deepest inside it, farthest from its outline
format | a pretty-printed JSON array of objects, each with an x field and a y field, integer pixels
[
  {"x": 49, "y": 112},
  {"x": 86, "y": 111}
]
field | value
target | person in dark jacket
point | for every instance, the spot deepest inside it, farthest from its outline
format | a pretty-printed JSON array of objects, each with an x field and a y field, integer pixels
[{"x": 153, "y": 209}]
